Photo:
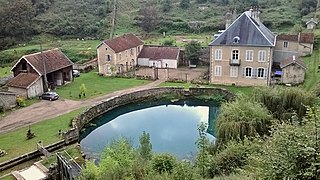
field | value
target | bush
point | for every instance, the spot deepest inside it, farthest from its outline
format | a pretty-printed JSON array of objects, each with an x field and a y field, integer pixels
[
  {"x": 21, "y": 101},
  {"x": 163, "y": 163}
]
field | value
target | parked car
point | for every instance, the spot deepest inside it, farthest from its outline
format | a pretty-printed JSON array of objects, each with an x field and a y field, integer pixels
[
  {"x": 51, "y": 96},
  {"x": 75, "y": 73}
]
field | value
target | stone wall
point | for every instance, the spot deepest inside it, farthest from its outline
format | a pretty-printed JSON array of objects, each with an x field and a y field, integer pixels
[
  {"x": 7, "y": 100},
  {"x": 111, "y": 103}
]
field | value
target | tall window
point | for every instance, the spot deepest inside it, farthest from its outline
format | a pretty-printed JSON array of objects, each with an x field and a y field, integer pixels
[
  {"x": 24, "y": 65},
  {"x": 138, "y": 49},
  {"x": 261, "y": 72},
  {"x": 235, "y": 54},
  {"x": 217, "y": 70},
  {"x": 218, "y": 54},
  {"x": 249, "y": 55},
  {"x": 285, "y": 44},
  {"x": 233, "y": 71},
  {"x": 131, "y": 51},
  {"x": 108, "y": 57},
  {"x": 119, "y": 56},
  {"x": 262, "y": 56},
  {"x": 248, "y": 72}
]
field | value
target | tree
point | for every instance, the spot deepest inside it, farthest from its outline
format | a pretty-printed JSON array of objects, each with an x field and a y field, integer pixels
[
  {"x": 166, "y": 5},
  {"x": 292, "y": 152},
  {"x": 184, "y": 4},
  {"x": 149, "y": 17},
  {"x": 192, "y": 52},
  {"x": 242, "y": 118},
  {"x": 145, "y": 149}
]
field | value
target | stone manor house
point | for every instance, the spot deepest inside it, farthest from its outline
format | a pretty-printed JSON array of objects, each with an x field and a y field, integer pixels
[{"x": 247, "y": 53}]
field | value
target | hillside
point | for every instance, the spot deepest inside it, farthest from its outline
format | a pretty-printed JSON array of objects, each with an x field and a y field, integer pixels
[{"x": 33, "y": 21}]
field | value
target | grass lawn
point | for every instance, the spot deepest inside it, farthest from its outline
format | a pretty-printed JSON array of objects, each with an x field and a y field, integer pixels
[
  {"x": 15, "y": 142},
  {"x": 9, "y": 177},
  {"x": 5, "y": 71},
  {"x": 74, "y": 49},
  {"x": 313, "y": 73},
  {"x": 235, "y": 89},
  {"x": 96, "y": 85}
]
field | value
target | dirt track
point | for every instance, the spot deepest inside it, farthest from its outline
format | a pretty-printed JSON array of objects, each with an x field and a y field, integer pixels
[{"x": 49, "y": 109}]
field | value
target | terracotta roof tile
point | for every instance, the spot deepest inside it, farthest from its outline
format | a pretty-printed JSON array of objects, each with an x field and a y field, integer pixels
[
  {"x": 23, "y": 80},
  {"x": 306, "y": 38},
  {"x": 124, "y": 42},
  {"x": 158, "y": 52},
  {"x": 287, "y": 37},
  {"x": 54, "y": 60},
  {"x": 292, "y": 60}
]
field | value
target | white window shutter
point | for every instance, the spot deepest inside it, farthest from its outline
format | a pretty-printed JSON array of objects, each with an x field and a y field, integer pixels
[
  {"x": 243, "y": 71},
  {"x": 265, "y": 73}
]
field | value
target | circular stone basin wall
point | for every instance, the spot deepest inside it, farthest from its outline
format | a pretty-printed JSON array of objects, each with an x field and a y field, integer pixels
[{"x": 172, "y": 126}]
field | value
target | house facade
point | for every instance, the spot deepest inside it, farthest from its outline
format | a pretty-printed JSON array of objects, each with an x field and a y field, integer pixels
[
  {"x": 31, "y": 71},
  {"x": 243, "y": 54},
  {"x": 293, "y": 70},
  {"x": 293, "y": 45},
  {"x": 118, "y": 55},
  {"x": 159, "y": 56},
  {"x": 311, "y": 24}
]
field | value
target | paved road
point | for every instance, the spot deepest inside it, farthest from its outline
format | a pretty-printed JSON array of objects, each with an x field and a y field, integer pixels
[{"x": 50, "y": 109}]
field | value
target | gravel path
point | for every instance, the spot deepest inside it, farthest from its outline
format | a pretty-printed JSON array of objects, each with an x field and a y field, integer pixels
[{"x": 50, "y": 109}]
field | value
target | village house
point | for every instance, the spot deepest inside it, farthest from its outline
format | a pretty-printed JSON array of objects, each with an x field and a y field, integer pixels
[
  {"x": 159, "y": 56},
  {"x": 242, "y": 54},
  {"x": 118, "y": 55},
  {"x": 293, "y": 45},
  {"x": 31, "y": 71},
  {"x": 293, "y": 70}
]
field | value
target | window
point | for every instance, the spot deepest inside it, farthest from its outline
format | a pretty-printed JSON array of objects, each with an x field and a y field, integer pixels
[
  {"x": 235, "y": 54},
  {"x": 217, "y": 70},
  {"x": 24, "y": 66},
  {"x": 236, "y": 39},
  {"x": 249, "y": 55},
  {"x": 138, "y": 49},
  {"x": 247, "y": 72},
  {"x": 261, "y": 72},
  {"x": 131, "y": 51},
  {"x": 233, "y": 71},
  {"x": 285, "y": 44},
  {"x": 262, "y": 56},
  {"x": 218, "y": 54},
  {"x": 108, "y": 57},
  {"x": 119, "y": 56}
]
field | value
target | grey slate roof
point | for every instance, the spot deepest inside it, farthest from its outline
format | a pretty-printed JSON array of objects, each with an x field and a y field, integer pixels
[{"x": 250, "y": 32}]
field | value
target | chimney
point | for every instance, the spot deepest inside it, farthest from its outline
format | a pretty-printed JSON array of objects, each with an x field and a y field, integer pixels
[
  {"x": 255, "y": 13},
  {"x": 228, "y": 19}
]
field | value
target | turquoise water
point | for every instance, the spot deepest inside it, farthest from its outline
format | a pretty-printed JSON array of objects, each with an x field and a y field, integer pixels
[{"x": 172, "y": 126}]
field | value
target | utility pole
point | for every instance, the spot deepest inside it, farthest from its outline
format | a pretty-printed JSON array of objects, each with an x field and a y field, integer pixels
[
  {"x": 44, "y": 70},
  {"x": 114, "y": 14}
]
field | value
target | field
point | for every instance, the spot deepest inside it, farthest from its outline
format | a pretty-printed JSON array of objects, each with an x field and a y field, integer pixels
[{"x": 96, "y": 85}]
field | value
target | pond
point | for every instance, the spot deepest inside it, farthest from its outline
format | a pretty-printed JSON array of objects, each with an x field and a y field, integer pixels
[{"x": 172, "y": 126}]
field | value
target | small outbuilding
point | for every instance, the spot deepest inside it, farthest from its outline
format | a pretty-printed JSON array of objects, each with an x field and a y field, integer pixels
[
  {"x": 311, "y": 24},
  {"x": 293, "y": 70},
  {"x": 159, "y": 56}
]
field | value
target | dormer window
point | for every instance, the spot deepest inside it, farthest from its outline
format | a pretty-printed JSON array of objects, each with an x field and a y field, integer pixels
[{"x": 236, "y": 40}]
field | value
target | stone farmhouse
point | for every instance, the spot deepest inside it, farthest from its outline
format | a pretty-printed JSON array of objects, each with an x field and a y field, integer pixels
[
  {"x": 247, "y": 53},
  {"x": 30, "y": 70},
  {"x": 123, "y": 53},
  {"x": 311, "y": 24},
  {"x": 296, "y": 65},
  {"x": 118, "y": 55}
]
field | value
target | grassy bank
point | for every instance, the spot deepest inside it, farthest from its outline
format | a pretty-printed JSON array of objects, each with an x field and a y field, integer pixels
[
  {"x": 15, "y": 143},
  {"x": 313, "y": 72},
  {"x": 235, "y": 89},
  {"x": 96, "y": 85}
]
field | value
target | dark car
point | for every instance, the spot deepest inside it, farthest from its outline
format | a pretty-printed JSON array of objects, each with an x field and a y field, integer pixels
[
  {"x": 75, "y": 73},
  {"x": 51, "y": 96}
]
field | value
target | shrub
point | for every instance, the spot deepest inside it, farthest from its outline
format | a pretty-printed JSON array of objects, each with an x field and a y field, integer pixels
[
  {"x": 21, "y": 101},
  {"x": 163, "y": 163}
]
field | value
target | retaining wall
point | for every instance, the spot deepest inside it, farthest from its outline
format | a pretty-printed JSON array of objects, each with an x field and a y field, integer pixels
[{"x": 111, "y": 103}]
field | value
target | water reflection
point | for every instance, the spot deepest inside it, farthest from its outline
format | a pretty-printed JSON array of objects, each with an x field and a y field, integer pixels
[{"x": 172, "y": 128}]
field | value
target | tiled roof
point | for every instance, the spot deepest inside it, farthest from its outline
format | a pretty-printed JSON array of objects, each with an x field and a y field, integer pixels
[
  {"x": 23, "y": 80},
  {"x": 287, "y": 37},
  {"x": 292, "y": 60},
  {"x": 248, "y": 30},
  {"x": 155, "y": 53},
  {"x": 54, "y": 60},
  {"x": 306, "y": 38},
  {"x": 301, "y": 37},
  {"x": 124, "y": 42}
]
